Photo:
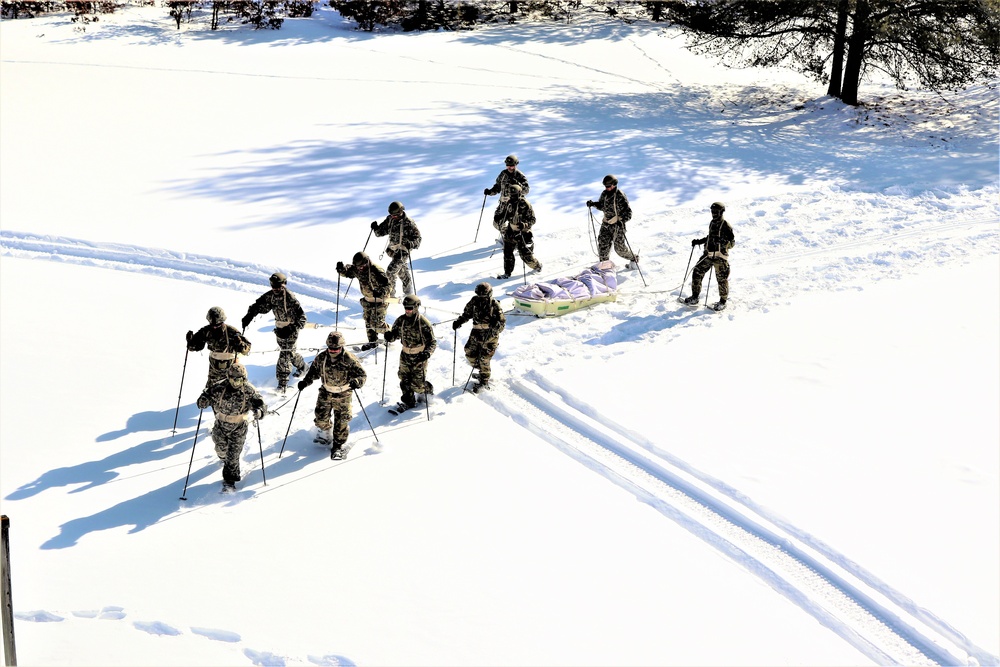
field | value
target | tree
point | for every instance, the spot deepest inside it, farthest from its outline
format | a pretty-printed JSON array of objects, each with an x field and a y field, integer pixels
[{"x": 942, "y": 44}]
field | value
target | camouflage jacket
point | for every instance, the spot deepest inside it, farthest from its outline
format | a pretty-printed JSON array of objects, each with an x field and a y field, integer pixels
[
  {"x": 415, "y": 333},
  {"x": 505, "y": 180},
  {"x": 231, "y": 401},
  {"x": 402, "y": 232},
  {"x": 614, "y": 205},
  {"x": 519, "y": 215},
  {"x": 286, "y": 308},
  {"x": 223, "y": 340},
  {"x": 336, "y": 372},
  {"x": 486, "y": 315},
  {"x": 720, "y": 238},
  {"x": 372, "y": 281}
]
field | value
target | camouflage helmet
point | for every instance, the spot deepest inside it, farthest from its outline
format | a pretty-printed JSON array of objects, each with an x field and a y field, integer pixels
[
  {"x": 484, "y": 289},
  {"x": 411, "y": 301},
  {"x": 335, "y": 339},
  {"x": 216, "y": 315},
  {"x": 511, "y": 160},
  {"x": 515, "y": 190},
  {"x": 610, "y": 179},
  {"x": 237, "y": 371},
  {"x": 395, "y": 208},
  {"x": 360, "y": 258},
  {"x": 718, "y": 206},
  {"x": 278, "y": 279}
]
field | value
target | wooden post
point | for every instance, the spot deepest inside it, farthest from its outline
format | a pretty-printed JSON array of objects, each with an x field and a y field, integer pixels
[{"x": 10, "y": 655}]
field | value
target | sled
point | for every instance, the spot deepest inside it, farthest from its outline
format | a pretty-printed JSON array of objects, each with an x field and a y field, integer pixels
[{"x": 598, "y": 284}]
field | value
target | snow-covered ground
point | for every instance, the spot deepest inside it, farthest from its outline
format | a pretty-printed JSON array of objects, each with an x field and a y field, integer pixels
[{"x": 810, "y": 478}]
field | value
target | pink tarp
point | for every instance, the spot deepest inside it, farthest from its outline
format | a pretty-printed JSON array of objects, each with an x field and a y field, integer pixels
[{"x": 599, "y": 279}]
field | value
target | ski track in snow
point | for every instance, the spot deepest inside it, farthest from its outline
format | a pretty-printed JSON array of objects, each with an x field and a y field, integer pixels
[{"x": 880, "y": 622}]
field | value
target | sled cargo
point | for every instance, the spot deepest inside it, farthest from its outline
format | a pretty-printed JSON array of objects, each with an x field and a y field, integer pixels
[{"x": 595, "y": 285}]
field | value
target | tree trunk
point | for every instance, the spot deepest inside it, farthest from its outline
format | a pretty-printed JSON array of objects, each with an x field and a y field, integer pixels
[
  {"x": 839, "y": 44},
  {"x": 855, "y": 53}
]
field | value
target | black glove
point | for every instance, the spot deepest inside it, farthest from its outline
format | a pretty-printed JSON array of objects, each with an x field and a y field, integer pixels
[
  {"x": 189, "y": 336},
  {"x": 259, "y": 413},
  {"x": 355, "y": 383},
  {"x": 302, "y": 384},
  {"x": 486, "y": 191},
  {"x": 590, "y": 203},
  {"x": 247, "y": 319},
  {"x": 203, "y": 401},
  {"x": 340, "y": 268},
  {"x": 374, "y": 225},
  {"x": 388, "y": 337},
  {"x": 423, "y": 356},
  {"x": 456, "y": 325},
  {"x": 695, "y": 242}
]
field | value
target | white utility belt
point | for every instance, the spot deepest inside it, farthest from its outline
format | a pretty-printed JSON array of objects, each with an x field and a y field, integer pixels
[
  {"x": 413, "y": 350},
  {"x": 222, "y": 356},
  {"x": 230, "y": 419}
]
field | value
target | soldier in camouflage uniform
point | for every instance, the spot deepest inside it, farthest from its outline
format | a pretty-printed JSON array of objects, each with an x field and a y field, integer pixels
[
  {"x": 231, "y": 399},
  {"x": 289, "y": 318},
  {"x": 223, "y": 341},
  {"x": 717, "y": 244},
  {"x": 488, "y": 321},
  {"x": 339, "y": 373},
  {"x": 516, "y": 219},
  {"x": 614, "y": 204},
  {"x": 511, "y": 175},
  {"x": 404, "y": 237},
  {"x": 374, "y": 285},
  {"x": 415, "y": 333}
]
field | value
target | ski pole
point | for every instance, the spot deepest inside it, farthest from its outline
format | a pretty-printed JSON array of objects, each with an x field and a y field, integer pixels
[
  {"x": 480, "y": 219},
  {"x": 336, "y": 318},
  {"x": 711, "y": 270},
  {"x": 365, "y": 413},
  {"x": 290, "y": 423},
  {"x": 179, "y": 391},
  {"x": 260, "y": 446},
  {"x": 680, "y": 295},
  {"x": 629, "y": 246},
  {"x": 197, "y": 428},
  {"x": 469, "y": 379},
  {"x": 413, "y": 282},
  {"x": 454, "y": 359},
  {"x": 385, "y": 372}
]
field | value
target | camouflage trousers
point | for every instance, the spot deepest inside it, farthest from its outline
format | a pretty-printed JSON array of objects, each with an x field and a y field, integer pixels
[
  {"x": 524, "y": 243},
  {"x": 217, "y": 369},
  {"x": 613, "y": 234},
  {"x": 374, "y": 314},
  {"x": 479, "y": 350},
  {"x": 413, "y": 378},
  {"x": 288, "y": 358},
  {"x": 229, "y": 440},
  {"x": 703, "y": 266},
  {"x": 400, "y": 267},
  {"x": 339, "y": 406}
]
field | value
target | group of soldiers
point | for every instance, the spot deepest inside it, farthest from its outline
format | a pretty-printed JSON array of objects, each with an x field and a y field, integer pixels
[{"x": 340, "y": 373}]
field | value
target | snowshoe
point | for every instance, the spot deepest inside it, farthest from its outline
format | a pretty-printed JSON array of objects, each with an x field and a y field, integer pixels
[
  {"x": 368, "y": 346},
  {"x": 719, "y": 306},
  {"x": 480, "y": 386},
  {"x": 228, "y": 486},
  {"x": 401, "y": 408},
  {"x": 338, "y": 454},
  {"x": 691, "y": 301},
  {"x": 503, "y": 276},
  {"x": 633, "y": 264},
  {"x": 322, "y": 439}
]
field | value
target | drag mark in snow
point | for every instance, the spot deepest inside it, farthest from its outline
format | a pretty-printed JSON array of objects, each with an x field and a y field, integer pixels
[{"x": 873, "y": 620}]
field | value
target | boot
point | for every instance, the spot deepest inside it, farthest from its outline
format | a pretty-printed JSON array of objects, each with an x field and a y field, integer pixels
[
  {"x": 368, "y": 346},
  {"x": 720, "y": 305},
  {"x": 692, "y": 300}
]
